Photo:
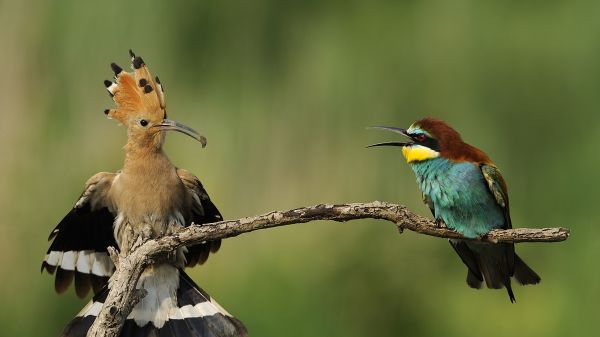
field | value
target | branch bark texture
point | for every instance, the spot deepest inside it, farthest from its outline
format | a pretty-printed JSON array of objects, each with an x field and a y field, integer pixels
[{"x": 123, "y": 295}]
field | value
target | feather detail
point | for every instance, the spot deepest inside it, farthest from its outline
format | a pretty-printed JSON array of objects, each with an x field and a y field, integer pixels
[
  {"x": 80, "y": 240},
  {"x": 175, "y": 307},
  {"x": 136, "y": 92},
  {"x": 203, "y": 211}
]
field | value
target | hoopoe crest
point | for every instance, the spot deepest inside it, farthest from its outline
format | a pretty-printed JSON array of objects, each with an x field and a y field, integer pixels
[{"x": 141, "y": 105}]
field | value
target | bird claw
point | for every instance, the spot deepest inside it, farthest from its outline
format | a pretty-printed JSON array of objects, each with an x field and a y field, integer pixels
[
  {"x": 140, "y": 240},
  {"x": 440, "y": 223},
  {"x": 114, "y": 255},
  {"x": 144, "y": 235}
]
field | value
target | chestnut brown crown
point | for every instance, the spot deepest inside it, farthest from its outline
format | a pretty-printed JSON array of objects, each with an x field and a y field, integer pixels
[{"x": 449, "y": 142}]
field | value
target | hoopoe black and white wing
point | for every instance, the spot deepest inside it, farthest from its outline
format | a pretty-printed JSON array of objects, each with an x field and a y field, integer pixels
[
  {"x": 80, "y": 240},
  {"x": 202, "y": 211}
]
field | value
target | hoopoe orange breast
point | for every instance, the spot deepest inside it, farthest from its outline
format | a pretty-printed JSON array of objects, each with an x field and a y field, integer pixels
[{"x": 150, "y": 200}]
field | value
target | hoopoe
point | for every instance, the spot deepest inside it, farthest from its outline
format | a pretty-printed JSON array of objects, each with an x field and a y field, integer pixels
[{"x": 148, "y": 198}]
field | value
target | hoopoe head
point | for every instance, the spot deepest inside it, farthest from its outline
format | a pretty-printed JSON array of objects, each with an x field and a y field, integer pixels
[{"x": 141, "y": 106}]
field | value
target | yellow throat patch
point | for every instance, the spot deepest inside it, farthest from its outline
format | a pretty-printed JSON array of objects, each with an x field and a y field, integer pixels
[{"x": 418, "y": 153}]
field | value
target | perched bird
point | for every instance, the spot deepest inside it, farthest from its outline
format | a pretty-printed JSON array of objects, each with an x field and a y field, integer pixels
[
  {"x": 148, "y": 198},
  {"x": 465, "y": 192}
]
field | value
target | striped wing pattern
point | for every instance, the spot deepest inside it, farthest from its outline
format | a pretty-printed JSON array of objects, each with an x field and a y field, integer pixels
[{"x": 79, "y": 242}]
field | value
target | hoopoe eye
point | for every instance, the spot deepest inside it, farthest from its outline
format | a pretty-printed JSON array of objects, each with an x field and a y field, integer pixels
[{"x": 143, "y": 122}]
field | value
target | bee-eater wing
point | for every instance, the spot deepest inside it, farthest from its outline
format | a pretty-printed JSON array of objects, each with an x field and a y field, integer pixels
[{"x": 497, "y": 187}]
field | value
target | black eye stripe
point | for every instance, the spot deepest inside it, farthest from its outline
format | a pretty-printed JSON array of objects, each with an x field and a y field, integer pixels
[
  {"x": 416, "y": 136},
  {"x": 424, "y": 140},
  {"x": 431, "y": 143}
]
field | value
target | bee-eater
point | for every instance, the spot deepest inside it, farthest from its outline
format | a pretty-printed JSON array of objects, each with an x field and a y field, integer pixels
[
  {"x": 148, "y": 198},
  {"x": 465, "y": 192}
]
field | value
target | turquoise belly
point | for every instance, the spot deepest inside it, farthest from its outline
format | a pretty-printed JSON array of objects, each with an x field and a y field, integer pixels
[{"x": 459, "y": 195}]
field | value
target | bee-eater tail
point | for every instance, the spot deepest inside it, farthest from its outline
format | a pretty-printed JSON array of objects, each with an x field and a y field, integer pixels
[
  {"x": 473, "y": 280},
  {"x": 173, "y": 307},
  {"x": 495, "y": 264},
  {"x": 523, "y": 274}
]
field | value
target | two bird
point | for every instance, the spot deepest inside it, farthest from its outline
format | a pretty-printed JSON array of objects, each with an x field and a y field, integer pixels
[
  {"x": 150, "y": 197},
  {"x": 465, "y": 192}
]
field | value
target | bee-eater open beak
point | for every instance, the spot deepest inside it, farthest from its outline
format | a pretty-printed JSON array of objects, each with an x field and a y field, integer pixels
[
  {"x": 393, "y": 129},
  {"x": 169, "y": 125}
]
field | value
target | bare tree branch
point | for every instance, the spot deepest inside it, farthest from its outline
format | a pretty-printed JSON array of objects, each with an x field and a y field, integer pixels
[{"x": 123, "y": 295}]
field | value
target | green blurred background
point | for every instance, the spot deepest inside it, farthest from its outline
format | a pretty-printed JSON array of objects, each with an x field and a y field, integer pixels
[{"x": 284, "y": 90}]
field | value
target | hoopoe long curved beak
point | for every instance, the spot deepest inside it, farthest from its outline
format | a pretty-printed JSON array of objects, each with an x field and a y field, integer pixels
[{"x": 170, "y": 125}]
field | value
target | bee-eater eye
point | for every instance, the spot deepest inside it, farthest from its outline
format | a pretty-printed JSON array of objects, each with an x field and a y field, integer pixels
[{"x": 420, "y": 138}]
